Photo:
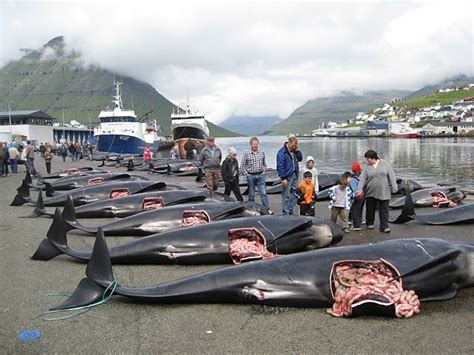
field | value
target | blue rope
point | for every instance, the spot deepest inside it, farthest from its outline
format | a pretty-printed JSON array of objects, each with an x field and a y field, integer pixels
[{"x": 108, "y": 292}]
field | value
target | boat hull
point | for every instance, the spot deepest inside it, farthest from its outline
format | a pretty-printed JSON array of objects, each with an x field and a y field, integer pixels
[
  {"x": 182, "y": 134},
  {"x": 122, "y": 144},
  {"x": 405, "y": 135}
]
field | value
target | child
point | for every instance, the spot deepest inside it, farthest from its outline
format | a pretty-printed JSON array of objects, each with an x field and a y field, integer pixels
[
  {"x": 355, "y": 214},
  {"x": 340, "y": 204},
  {"x": 306, "y": 195},
  {"x": 309, "y": 166},
  {"x": 230, "y": 174}
]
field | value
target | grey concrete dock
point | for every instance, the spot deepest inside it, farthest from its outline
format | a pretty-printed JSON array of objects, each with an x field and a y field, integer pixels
[{"x": 122, "y": 326}]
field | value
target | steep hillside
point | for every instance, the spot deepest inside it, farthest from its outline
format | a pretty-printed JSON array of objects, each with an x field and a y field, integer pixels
[
  {"x": 249, "y": 125},
  {"x": 57, "y": 82},
  {"x": 337, "y": 108},
  {"x": 458, "y": 80}
]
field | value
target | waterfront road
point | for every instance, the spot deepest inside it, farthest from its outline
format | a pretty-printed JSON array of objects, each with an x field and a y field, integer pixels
[{"x": 122, "y": 326}]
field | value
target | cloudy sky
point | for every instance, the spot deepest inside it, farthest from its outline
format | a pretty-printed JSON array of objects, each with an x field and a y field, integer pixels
[{"x": 254, "y": 58}]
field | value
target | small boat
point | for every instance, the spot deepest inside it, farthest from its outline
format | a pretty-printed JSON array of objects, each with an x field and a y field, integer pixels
[
  {"x": 320, "y": 132},
  {"x": 120, "y": 131},
  {"x": 404, "y": 131},
  {"x": 188, "y": 125}
]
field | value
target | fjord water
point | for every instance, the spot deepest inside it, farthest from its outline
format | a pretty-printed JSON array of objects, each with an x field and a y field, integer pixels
[{"x": 428, "y": 161}]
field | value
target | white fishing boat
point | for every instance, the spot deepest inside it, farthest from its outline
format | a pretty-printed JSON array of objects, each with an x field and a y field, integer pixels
[
  {"x": 120, "y": 131},
  {"x": 188, "y": 125}
]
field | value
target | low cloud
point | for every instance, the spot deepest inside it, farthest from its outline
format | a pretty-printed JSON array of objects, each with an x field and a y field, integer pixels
[{"x": 263, "y": 58}]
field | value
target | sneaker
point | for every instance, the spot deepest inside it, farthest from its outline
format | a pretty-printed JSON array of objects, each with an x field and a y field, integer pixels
[
  {"x": 386, "y": 230},
  {"x": 370, "y": 226},
  {"x": 346, "y": 230},
  {"x": 270, "y": 211},
  {"x": 356, "y": 229}
]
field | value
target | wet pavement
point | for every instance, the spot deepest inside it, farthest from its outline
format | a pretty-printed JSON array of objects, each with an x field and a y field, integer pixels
[{"x": 127, "y": 327}]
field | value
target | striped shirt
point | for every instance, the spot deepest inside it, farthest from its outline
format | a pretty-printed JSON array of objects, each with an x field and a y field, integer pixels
[{"x": 253, "y": 162}]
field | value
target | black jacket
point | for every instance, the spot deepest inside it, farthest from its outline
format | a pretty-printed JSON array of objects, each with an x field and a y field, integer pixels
[{"x": 226, "y": 169}]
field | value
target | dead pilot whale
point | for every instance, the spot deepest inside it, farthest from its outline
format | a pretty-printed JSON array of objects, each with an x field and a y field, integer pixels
[
  {"x": 432, "y": 269},
  {"x": 157, "y": 220},
  {"x": 461, "y": 214},
  {"x": 221, "y": 242}
]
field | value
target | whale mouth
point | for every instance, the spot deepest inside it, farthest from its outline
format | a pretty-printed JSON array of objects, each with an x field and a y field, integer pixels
[
  {"x": 95, "y": 181},
  {"x": 192, "y": 217},
  {"x": 370, "y": 287},
  {"x": 152, "y": 203},
  {"x": 248, "y": 244}
]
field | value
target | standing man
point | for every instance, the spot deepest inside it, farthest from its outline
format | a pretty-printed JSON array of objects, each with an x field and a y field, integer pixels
[
  {"x": 253, "y": 166},
  {"x": 30, "y": 158},
  {"x": 287, "y": 166},
  {"x": 210, "y": 159},
  {"x": 14, "y": 155}
]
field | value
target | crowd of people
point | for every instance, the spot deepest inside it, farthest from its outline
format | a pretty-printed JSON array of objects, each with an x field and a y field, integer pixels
[
  {"x": 11, "y": 154},
  {"x": 371, "y": 186}
]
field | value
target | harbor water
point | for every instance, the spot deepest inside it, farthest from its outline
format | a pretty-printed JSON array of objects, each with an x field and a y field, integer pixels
[{"x": 429, "y": 161}]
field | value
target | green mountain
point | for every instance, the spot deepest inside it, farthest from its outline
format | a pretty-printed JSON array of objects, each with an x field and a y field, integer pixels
[
  {"x": 337, "y": 108},
  {"x": 443, "y": 98},
  {"x": 56, "y": 81},
  {"x": 249, "y": 125},
  {"x": 457, "y": 80}
]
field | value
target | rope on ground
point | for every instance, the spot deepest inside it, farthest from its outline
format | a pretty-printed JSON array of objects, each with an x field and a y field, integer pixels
[{"x": 108, "y": 292}]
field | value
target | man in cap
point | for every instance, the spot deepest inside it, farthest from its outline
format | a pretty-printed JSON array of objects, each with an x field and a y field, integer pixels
[{"x": 210, "y": 159}]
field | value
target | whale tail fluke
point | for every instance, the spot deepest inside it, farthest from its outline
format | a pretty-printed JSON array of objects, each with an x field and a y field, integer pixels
[
  {"x": 22, "y": 196},
  {"x": 49, "y": 189},
  {"x": 101, "y": 164},
  {"x": 70, "y": 219},
  {"x": 28, "y": 178},
  {"x": 99, "y": 273},
  {"x": 408, "y": 211},
  {"x": 39, "y": 208},
  {"x": 56, "y": 239}
]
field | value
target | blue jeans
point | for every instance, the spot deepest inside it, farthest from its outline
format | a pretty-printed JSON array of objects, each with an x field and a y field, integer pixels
[
  {"x": 14, "y": 165},
  {"x": 258, "y": 180},
  {"x": 288, "y": 198},
  {"x": 30, "y": 165}
]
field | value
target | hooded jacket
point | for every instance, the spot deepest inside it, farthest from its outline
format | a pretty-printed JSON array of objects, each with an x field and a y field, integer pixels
[{"x": 286, "y": 164}]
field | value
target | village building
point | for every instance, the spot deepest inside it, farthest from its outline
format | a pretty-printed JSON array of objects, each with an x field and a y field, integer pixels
[
  {"x": 440, "y": 128},
  {"x": 38, "y": 126}
]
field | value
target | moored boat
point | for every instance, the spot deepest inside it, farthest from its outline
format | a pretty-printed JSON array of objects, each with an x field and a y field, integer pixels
[
  {"x": 188, "y": 126},
  {"x": 404, "y": 131},
  {"x": 120, "y": 131}
]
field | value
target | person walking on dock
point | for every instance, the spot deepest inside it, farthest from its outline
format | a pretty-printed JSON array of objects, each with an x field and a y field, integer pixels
[{"x": 210, "y": 159}]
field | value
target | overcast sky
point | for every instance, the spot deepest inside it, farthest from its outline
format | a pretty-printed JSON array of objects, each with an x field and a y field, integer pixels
[{"x": 254, "y": 58}]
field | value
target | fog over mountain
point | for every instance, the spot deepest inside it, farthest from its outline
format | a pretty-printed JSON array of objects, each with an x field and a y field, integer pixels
[{"x": 253, "y": 59}]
